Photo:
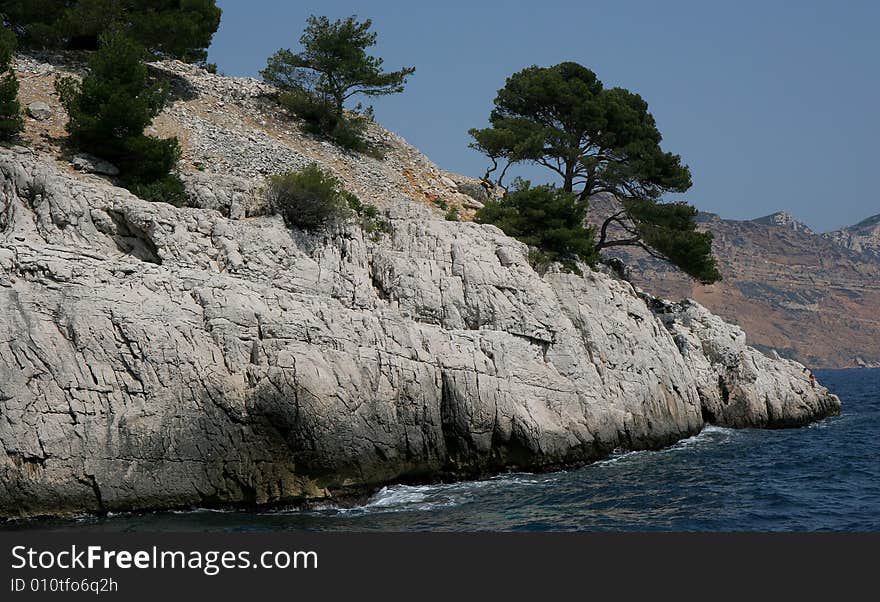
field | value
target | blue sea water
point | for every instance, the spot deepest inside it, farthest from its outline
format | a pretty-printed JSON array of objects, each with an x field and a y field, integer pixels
[{"x": 824, "y": 477}]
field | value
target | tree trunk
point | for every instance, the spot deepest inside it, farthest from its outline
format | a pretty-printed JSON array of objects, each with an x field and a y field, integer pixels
[{"x": 568, "y": 179}]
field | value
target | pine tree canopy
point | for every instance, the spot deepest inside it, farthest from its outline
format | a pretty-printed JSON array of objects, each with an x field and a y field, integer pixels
[
  {"x": 108, "y": 111},
  {"x": 599, "y": 140},
  {"x": 179, "y": 29},
  {"x": 546, "y": 218}
]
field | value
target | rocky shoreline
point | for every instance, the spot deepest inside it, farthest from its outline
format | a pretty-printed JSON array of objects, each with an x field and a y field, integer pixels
[{"x": 155, "y": 357}]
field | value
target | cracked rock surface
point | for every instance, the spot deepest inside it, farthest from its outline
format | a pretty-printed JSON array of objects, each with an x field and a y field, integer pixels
[{"x": 155, "y": 357}]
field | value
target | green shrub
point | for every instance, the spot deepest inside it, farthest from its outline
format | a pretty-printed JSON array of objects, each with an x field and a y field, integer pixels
[
  {"x": 369, "y": 216},
  {"x": 148, "y": 159},
  {"x": 452, "y": 215},
  {"x": 309, "y": 199},
  {"x": 312, "y": 198},
  {"x": 546, "y": 218},
  {"x": 167, "y": 189},
  {"x": 318, "y": 114},
  {"x": 350, "y": 133}
]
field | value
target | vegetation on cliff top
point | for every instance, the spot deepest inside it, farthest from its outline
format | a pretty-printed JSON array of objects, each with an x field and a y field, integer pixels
[
  {"x": 313, "y": 198},
  {"x": 596, "y": 140},
  {"x": 10, "y": 109},
  {"x": 547, "y": 218}
]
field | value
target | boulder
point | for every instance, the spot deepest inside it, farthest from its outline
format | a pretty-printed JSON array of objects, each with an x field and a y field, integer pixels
[
  {"x": 474, "y": 189},
  {"x": 39, "y": 110},
  {"x": 91, "y": 164}
]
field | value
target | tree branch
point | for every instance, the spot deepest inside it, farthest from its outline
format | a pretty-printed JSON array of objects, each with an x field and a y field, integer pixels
[{"x": 604, "y": 231}]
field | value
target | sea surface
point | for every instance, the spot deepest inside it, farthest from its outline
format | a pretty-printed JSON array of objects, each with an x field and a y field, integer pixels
[{"x": 824, "y": 477}]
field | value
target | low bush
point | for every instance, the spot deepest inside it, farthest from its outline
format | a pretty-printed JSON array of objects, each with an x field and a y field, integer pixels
[
  {"x": 309, "y": 199},
  {"x": 312, "y": 199},
  {"x": 147, "y": 159},
  {"x": 368, "y": 216},
  {"x": 318, "y": 114},
  {"x": 167, "y": 189}
]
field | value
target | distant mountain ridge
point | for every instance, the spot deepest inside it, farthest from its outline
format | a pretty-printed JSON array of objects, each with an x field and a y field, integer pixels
[
  {"x": 785, "y": 220},
  {"x": 863, "y": 237},
  {"x": 809, "y": 296}
]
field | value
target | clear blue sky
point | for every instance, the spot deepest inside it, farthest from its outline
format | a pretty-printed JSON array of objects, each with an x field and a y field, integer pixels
[{"x": 774, "y": 105}]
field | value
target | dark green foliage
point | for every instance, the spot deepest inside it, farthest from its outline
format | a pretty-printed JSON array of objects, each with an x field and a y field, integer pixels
[
  {"x": 10, "y": 109},
  {"x": 321, "y": 119},
  {"x": 179, "y": 29},
  {"x": 309, "y": 199},
  {"x": 114, "y": 102},
  {"x": 148, "y": 159},
  {"x": 312, "y": 199},
  {"x": 452, "y": 215},
  {"x": 35, "y": 22},
  {"x": 596, "y": 140},
  {"x": 332, "y": 67},
  {"x": 108, "y": 111},
  {"x": 547, "y": 218}
]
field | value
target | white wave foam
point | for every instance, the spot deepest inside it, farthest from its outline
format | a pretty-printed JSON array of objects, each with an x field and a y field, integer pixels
[
  {"x": 204, "y": 511},
  {"x": 709, "y": 434},
  {"x": 425, "y": 498},
  {"x": 399, "y": 495},
  {"x": 620, "y": 455}
]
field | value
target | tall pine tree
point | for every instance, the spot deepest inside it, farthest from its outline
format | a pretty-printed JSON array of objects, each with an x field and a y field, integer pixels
[
  {"x": 10, "y": 109},
  {"x": 599, "y": 140}
]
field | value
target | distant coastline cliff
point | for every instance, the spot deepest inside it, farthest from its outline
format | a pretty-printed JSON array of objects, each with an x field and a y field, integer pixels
[{"x": 809, "y": 296}]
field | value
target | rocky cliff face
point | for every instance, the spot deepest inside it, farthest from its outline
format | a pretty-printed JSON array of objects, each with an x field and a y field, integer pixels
[{"x": 155, "y": 357}]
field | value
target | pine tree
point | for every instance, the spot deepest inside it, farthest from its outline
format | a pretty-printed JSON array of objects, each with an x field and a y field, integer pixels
[
  {"x": 10, "y": 109},
  {"x": 332, "y": 67},
  {"x": 550, "y": 220},
  {"x": 599, "y": 140},
  {"x": 108, "y": 111},
  {"x": 334, "y": 63}
]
